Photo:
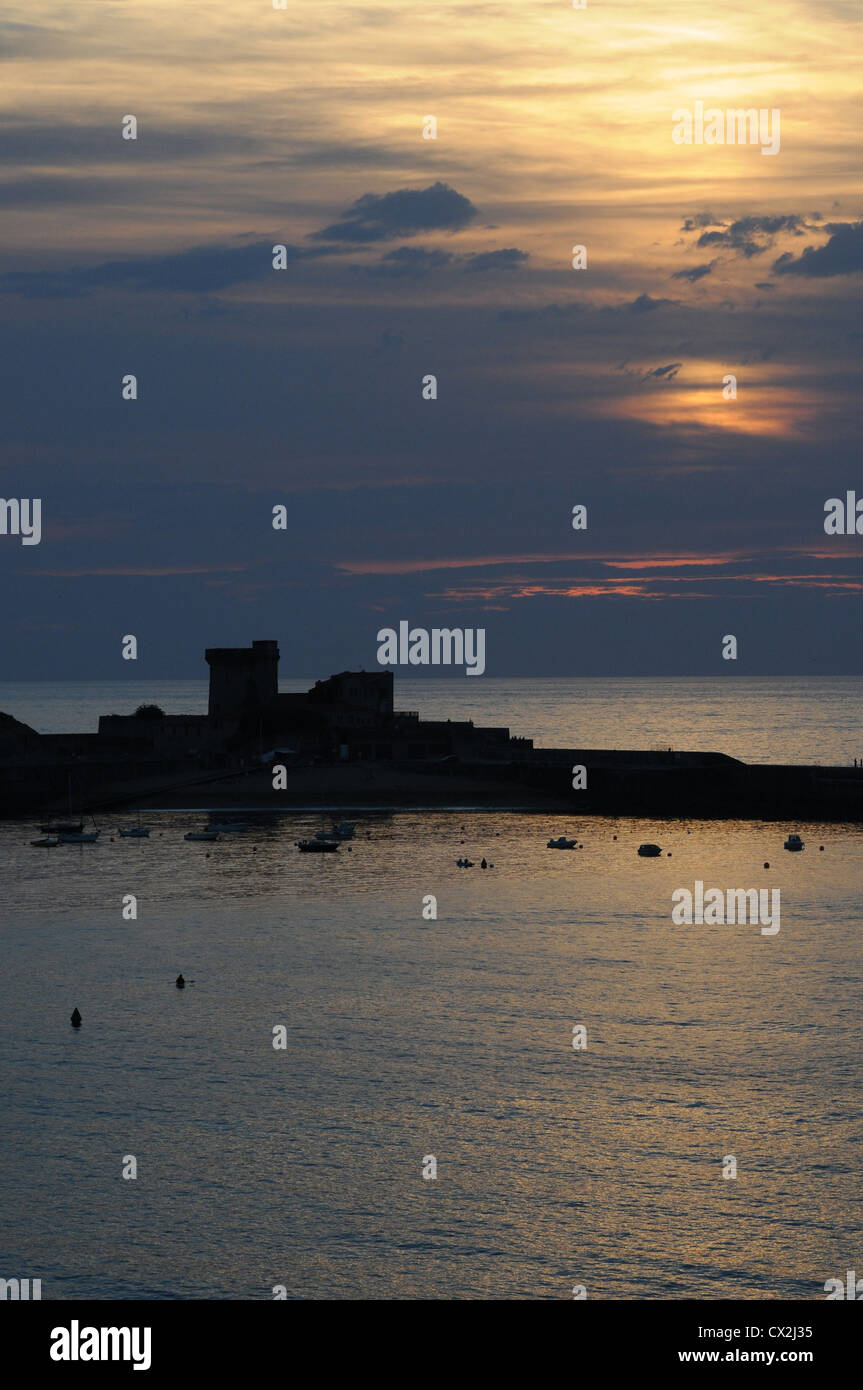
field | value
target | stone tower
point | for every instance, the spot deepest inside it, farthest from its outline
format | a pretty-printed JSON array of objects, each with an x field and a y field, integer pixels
[{"x": 243, "y": 680}]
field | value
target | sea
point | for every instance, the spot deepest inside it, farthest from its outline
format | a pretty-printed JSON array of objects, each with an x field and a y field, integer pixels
[{"x": 349, "y": 1018}]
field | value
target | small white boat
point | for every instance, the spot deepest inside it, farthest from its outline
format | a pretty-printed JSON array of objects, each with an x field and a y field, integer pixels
[
  {"x": 208, "y": 835},
  {"x": 137, "y": 832},
  {"x": 649, "y": 851},
  {"x": 561, "y": 843},
  {"x": 47, "y": 842},
  {"x": 793, "y": 842}
]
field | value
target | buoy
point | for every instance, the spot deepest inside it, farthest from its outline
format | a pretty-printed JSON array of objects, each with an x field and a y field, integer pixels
[
  {"x": 483, "y": 864},
  {"x": 76, "y": 1019},
  {"x": 820, "y": 849},
  {"x": 614, "y": 837},
  {"x": 180, "y": 982},
  {"x": 767, "y": 866},
  {"x": 669, "y": 854}
]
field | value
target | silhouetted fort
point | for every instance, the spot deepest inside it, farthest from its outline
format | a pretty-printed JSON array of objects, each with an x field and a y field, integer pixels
[{"x": 348, "y": 721}]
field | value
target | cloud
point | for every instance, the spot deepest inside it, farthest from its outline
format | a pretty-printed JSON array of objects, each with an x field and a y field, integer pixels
[
  {"x": 645, "y": 304},
  {"x": 200, "y": 270},
  {"x": 694, "y": 272},
  {"x": 664, "y": 373},
  {"x": 842, "y": 255},
  {"x": 509, "y": 259},
  {"x": 751, "y": 236},
  {"x": 62, "y": 143},
  {"x": 406, "y": 212},
  {"x": 701, "y": 219},
  {"x": 408, "y": 262},
  {"x": 137, "y": 571}
]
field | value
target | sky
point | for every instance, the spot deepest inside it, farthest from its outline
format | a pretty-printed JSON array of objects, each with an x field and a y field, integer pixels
[{"x": 408, "y": 256}]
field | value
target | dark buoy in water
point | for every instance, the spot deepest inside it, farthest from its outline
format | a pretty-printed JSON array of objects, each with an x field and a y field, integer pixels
[
  {"x": 76, "y": 1019},
  {"x": 820, "y": 849},
  {"x": 669, "y": 854},
  {"x": 180, "y": 982},
  {"x": 482, "y": 864},
  {"x": 614, "y": 837},
  {"x": 767, "y": 866}
]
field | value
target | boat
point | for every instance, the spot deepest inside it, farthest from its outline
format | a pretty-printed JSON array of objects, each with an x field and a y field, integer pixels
[
  {"x": 793, "y": 842},
  {"x": 561, "y": 843},
  {"x": 208, "y": 835},
  {"x": 649, "y": 851},
  {"x": 84, "y": 837},
  {"x": 47, "y": 842},
  {"x": 70, "y": 828},
  {"x": 137, "y": 832},
  {"x": 317, "y": 846}
]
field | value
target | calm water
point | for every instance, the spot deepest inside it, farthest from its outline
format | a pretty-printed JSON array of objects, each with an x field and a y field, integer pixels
[
  {"x": 801, "y": 720},
  {"x": 451, "y": 1037}
]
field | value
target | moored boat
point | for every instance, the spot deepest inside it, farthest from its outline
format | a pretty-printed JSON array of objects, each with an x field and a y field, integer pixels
[
  {"x": 88, "y": 837},
  {"x": 649, "y": 851},
  {"x": 793, "y": 842},
  {"x": 47, "y": 842},
  {"x": 208, "y": 835},
  {"x": 317, "y": 846},
  {"x": 137, "y": 832},
  {"x": 561, "y": 843}
]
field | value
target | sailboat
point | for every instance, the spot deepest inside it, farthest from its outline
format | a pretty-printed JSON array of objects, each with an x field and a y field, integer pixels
[{"x": 69, "y": 832}]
